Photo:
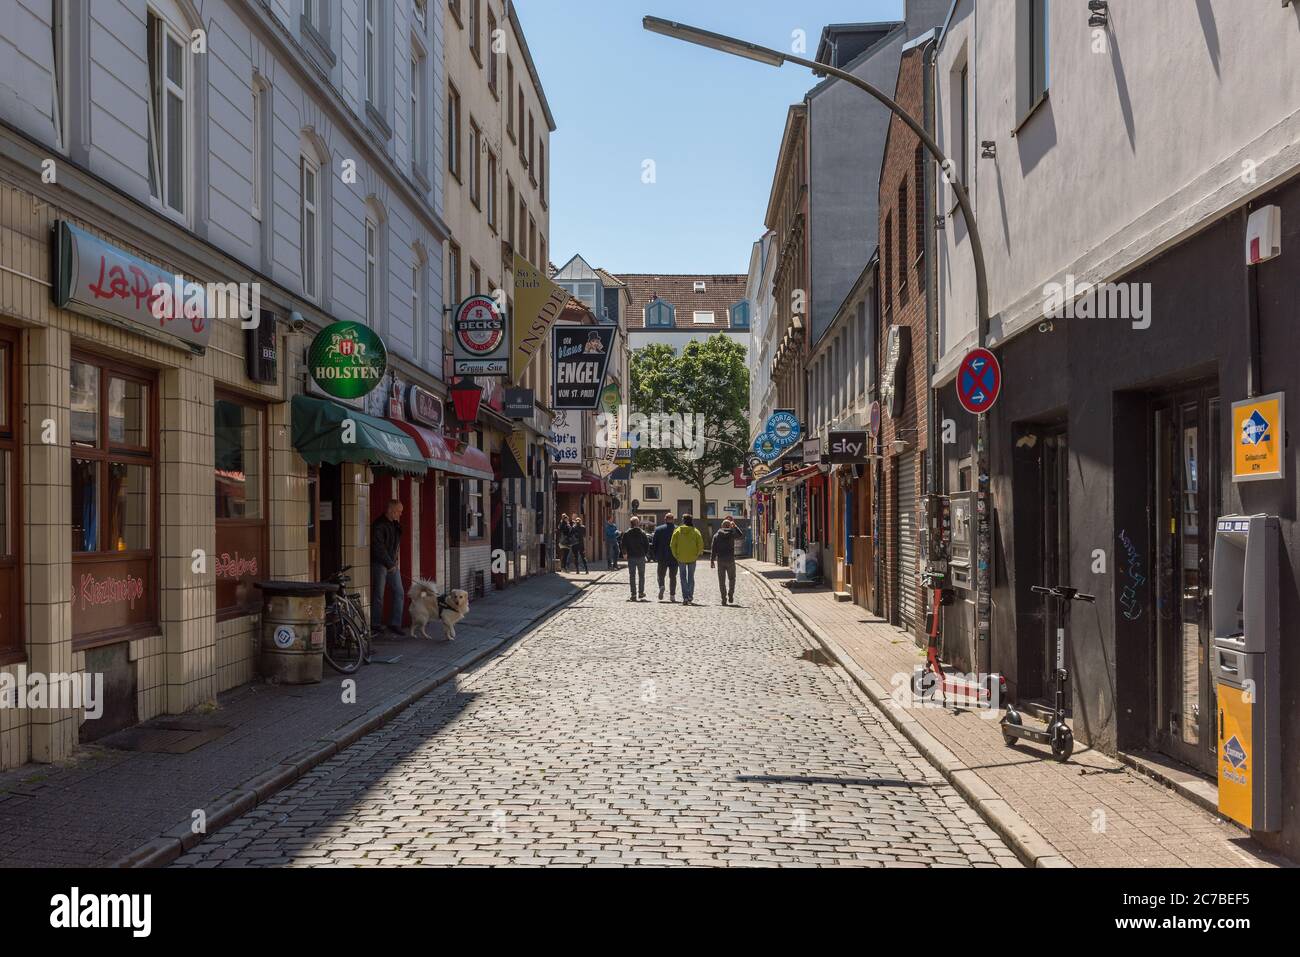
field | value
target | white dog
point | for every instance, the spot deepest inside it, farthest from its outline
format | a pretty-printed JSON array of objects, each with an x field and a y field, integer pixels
[{"x": 427, "y": 603}]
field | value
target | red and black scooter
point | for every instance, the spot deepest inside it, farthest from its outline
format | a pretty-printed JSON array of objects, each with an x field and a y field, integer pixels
[{"x": 931, "y": 679}]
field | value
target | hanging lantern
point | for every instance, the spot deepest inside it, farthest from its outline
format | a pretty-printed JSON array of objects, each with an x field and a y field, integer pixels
[{"x": 465, "y": 397}]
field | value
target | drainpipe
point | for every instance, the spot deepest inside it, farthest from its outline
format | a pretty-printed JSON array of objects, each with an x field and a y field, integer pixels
[{"x": 933, "y": 482}]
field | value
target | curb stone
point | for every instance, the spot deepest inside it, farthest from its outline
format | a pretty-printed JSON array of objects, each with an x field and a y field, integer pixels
[
  {"x": 241, "y": 799},
  {"x": 1031, "y": 847}
]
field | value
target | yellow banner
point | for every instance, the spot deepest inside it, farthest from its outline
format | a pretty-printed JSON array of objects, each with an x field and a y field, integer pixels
[
  {"x": 517, "y": 448},
  {"x": 1259, "y": 438},
  {"x": 538, "y": 303}
]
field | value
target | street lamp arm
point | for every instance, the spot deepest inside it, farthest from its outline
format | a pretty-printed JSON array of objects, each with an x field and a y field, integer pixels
[{"x": 771, "y": 57}]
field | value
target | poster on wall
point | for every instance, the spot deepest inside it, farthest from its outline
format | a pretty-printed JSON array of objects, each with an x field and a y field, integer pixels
[{"x": 581, "y": 356}]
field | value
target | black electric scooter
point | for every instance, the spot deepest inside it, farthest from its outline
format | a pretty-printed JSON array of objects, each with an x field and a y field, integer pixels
[{"x": 1057, "y": 733}]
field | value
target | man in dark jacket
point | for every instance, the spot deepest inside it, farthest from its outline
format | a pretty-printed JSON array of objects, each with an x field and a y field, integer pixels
[
  {"x": 635, "y": 544},
  {"x": 723, "y": 557},
  {"x": 385, "y": 546},
  {"x": 665, "y": 564}
]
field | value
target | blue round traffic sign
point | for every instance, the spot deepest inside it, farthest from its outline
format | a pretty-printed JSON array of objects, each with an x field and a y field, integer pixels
[{"x": 979, "y": 381}]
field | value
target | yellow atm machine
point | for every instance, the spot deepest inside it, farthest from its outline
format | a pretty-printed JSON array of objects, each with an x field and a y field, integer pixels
[{"x": 1245, "y": 632}]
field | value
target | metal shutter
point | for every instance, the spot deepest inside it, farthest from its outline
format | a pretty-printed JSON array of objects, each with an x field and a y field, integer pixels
[{"x": 906, "y": 572}]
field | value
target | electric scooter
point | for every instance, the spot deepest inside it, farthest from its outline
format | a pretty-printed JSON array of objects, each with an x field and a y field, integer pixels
[
  {"x": 1057, "y": 734},
  {"x": 931, "y": 680}
]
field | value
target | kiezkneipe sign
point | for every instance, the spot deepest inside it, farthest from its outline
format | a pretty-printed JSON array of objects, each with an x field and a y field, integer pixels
[
  {"x": 482, "y": 344},
  {"x": 581, "y": 356}
]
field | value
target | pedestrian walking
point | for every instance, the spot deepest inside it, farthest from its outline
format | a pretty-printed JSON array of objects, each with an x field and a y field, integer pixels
[
  {"x": 562, "y": 540},
  {"x": 687, "y": 544},
  {"x": 611, "y": 543},
  {"x": 635, "y": 544},
  {"x": 722, "y": 554},
  {"x": 385, "y": 577},
  {"x": 578, "y": 543},
  {"x": 665, "y": 564}
]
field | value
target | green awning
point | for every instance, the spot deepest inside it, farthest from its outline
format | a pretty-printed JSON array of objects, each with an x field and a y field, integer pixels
[{"x": 319, "y": 431}]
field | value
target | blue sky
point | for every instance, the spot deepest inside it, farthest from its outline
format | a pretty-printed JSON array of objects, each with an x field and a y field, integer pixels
[{"x": 710, "y": 122}]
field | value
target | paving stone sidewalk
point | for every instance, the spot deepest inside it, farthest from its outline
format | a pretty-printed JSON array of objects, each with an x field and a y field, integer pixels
[
  {"x": 1095, "y": 811},
  {"x": 105, "y": 803}
]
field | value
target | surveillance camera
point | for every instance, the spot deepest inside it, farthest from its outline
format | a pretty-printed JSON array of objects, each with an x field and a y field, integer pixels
[
  {"x": 1046, "y": 326},
  {"x": 296, "y": 322}
]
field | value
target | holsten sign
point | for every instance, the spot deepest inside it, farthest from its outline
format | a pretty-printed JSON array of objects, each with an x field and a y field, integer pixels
[
  {"x": 347, "y": 360},
  {"x": 846, "y": 448}
]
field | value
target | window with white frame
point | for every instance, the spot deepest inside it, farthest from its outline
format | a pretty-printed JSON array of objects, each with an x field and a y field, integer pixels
[
  {"x": 309, "y": 224},
  {"x": 370, "y": 50},
  {"x": 372, "y": 273},
  {"x": 652, "y": 493},
  {"x": 417, "y": 299},
  {"x": 168, "y": 51},
  {"x": 1033, "y": 48},
  {"x": 492, "y": 190},
  {"x": 702, "y": 318},
  {"x": 417, "y": 110}
]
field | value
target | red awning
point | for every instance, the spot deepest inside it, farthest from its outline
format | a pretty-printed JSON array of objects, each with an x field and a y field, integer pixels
[
  {"x": 432, "y": 445},
  {"x": 471, "y": 463},
  {"x": 801, "y": 474}
]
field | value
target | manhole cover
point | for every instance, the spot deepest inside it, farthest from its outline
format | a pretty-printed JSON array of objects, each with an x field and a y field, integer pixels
[
  {"x": 816, "y": 656},
  {"x": 165, "y": 737}
]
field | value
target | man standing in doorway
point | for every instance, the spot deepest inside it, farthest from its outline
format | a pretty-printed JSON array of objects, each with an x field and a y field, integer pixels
[
  {"x": 722, "y": 555},
  {"x": 385, "y": 546},
  {"x": 665, "y": 564},
  {"x": 687, "y": 545}
]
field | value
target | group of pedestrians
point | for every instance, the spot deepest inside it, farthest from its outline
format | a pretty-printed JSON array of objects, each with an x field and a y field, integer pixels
[
  {"x": 676, "y": 548},
  {"x": 571, "y": 537}
]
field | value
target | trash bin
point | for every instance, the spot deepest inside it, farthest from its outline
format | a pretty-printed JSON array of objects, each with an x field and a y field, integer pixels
[{"x": 293, "y": 630}]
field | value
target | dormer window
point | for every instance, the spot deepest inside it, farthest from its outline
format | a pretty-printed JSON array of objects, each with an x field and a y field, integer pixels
[
  {"x": 739, "y": 315},
  {"x": 660, "y": 315},
  {"x": 699, "y": 285}
]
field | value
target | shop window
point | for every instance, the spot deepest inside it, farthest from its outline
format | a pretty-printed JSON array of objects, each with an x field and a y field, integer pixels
[
  {"x": 240, "y": 466},
  {"x": 11, "y": 632},
  {"x": 114, "y": 495}
]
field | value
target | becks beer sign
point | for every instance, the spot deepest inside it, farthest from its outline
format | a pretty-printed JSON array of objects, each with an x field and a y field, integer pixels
[{"x": 581, "y": 356}]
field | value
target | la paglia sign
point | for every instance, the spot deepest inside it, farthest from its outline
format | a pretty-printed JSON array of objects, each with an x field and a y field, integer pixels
[{"x": 347, "y": 360}]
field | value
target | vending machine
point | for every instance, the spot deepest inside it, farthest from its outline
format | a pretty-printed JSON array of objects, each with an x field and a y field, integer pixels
[{"x": 1245, "y": 637}]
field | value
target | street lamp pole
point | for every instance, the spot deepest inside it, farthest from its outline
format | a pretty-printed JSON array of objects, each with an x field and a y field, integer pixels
[{"x": 776, "y": 58}]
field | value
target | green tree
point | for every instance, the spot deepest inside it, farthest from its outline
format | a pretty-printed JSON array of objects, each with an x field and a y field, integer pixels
[{"x": 709, "y": 379}]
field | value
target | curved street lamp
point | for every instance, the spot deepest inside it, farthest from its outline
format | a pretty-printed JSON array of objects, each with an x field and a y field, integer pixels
[{"x": 776, "y": 58}]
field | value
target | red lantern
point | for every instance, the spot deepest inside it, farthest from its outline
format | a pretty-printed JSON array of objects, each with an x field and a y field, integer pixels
[{"x": 465, "y": 397}]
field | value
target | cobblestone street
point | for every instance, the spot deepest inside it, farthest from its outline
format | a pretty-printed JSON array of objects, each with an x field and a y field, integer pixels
[{"x": 622, "y": 733}]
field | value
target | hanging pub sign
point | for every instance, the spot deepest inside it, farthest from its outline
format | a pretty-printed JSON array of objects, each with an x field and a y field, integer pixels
[
  {"x": 347, "y": 360},
  {"x": 482, "y": 342},
  {"x": 891, "y": 390},
  {"x": 518, "y": 403},
  {"x": 423, "y": 407},
  {"x": 261, "y": 355},
  {"x": 581, "y": 355},
  {"x": 98, "y": 279},
  {"x": 846, "y": 448}
]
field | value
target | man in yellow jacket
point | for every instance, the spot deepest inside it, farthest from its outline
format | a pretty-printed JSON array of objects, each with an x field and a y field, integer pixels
[{"x": 687, "y": 544}]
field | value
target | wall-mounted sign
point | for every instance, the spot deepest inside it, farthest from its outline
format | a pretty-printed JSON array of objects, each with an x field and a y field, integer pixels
[
  {"x": 765, "y": 448},
  {"x": 812, "y": 449},
  {"x": 1259, "y": 438},
  {"x": 566, "y": 437},
  {"x": 347, "y": 360},
  {"x": 846, "y": 447},
  {"x": 482, "y": 342},
  {"x": 610, "y": 402},
  {"x": 424, "y": 407},
  {"x": 894, "y": 381},
  {"x": 783, "y": 428},
  {"x": 581, "y": 356},
  {"x": 101, "y": 280},
  {"x": 518, "y": 403},
  {"x": 261, "y": 352}
]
